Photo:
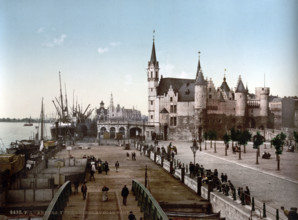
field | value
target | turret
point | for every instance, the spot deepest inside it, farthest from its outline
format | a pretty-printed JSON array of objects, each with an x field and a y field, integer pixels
[
  {"x": 153, "y": 78},
  {"x": 262, "y": 94},
  {"x": 241, "y": 98},
  {"x": 200, "y": 89}
]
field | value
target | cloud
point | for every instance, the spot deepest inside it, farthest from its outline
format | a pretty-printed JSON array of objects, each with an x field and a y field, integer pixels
[
  {"x": 185, "y": 75},
  {"x": 40, "y": 30},
  {"x": 57, "y": 41},
  {"x": 115, "y": 44},
  {"x": 102, "y": 50}
]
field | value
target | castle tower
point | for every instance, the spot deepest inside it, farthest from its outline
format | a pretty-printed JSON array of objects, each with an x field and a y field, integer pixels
[
  {"x": 200, "y": 102},
  {"x": 152, "y": 78},
  {"x": 264, "y": 103},
  {"x": 241, "y": 99}
]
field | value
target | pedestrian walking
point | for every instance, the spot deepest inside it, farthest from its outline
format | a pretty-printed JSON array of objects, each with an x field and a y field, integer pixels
[
  {"x": 84, "y": 190},
  {"x": 105, "y": 193},
  {"x": 106, "y": 167},
  {"x": 117, "y": 165},
  {"x": 131, "y": 216},
  {"x": 124, "y": 194}
]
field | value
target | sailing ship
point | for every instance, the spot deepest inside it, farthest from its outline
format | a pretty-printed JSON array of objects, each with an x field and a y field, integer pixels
[{"x": 29, "y": 123}]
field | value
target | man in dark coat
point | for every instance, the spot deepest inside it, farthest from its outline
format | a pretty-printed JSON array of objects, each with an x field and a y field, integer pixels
[
  {"x": 84, "y": 190},
  {"x": 124, "y": 194}
]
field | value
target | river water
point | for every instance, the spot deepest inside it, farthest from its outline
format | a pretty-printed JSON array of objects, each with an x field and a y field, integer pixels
[{"x": 12, "y": 131}]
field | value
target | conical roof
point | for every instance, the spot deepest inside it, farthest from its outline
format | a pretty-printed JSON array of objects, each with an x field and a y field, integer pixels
[
  {"x": 224, "y": 86},
  {"x": 153, "y": 55},
  {"x": 240, "y": 87},
  {"x": 199, "y": 77}
]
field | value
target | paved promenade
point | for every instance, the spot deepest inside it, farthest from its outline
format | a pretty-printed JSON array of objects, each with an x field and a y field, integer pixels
[
  {"x": 275, "y": 188},
  {"x": 164, "y": 188}
]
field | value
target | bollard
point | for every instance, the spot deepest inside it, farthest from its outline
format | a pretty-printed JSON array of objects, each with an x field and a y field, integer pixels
[
  {"x": 171, "y": 167},
  {"x": 162, "y": 158},
  {"x": 182, "y": 174},
  {"x": 210, "y": 184},
  {"x": 154, "y": 157},
  {"x": 277, "y": 214},
  {"x": 253, "y": 204},
  {"x": 264, "y": 210},
  {"x": 199, "y": 185}
]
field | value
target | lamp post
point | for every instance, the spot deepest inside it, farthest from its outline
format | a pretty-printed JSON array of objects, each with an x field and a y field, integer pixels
[{"x": 194, "y": 149}]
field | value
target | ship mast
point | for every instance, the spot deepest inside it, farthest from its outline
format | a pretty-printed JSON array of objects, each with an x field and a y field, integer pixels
[
  {"x": 41, "y": 120},
  {"x": 61, "y": 97}
]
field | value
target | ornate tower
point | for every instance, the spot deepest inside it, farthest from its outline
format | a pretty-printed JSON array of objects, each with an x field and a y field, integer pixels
[
  {"x": 200, "y": 101},
  {"x": 241, "y": 97},
  {"x": 152, "y": 77}
]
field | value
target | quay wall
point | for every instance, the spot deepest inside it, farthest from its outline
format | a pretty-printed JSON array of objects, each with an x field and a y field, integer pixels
[
  {"x": 220, "y": 203},
  {"x": 30, "y": 195}
]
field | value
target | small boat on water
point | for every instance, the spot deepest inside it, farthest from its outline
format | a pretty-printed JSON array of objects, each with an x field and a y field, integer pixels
[{"x": 29, "y": 123}]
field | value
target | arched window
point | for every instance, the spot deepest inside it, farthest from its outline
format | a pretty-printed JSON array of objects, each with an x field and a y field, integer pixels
[{"x": 112, "y": 132}]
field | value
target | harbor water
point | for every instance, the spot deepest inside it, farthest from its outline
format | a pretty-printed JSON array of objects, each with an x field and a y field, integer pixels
[{"x": 12, "y": 131}]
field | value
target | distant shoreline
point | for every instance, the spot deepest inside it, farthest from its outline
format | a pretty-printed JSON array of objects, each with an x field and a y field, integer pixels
[{"x": 24, "y": 120}]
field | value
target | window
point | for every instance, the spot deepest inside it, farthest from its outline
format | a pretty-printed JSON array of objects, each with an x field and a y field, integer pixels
[
  {"x": 151, "y": 116},
  {"x": 209, "y": 89},
  {"x": 151, "y": 102},
  {"x": 151, "y": 89},
  {"x": 151, "y": 74},
  {"x": 173, "y": 109},
  {"x": 171, "y": 99},
  {"x": 173, "y": 121},
  {"x": 210, "y": 96}
]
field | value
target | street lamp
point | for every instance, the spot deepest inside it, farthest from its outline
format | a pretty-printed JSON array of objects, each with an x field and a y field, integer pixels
[{"x": 194, "y": 149}]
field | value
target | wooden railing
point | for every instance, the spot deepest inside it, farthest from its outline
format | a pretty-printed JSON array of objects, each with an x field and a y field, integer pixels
[
  {"x": 58, "y": 203},
  {"x": 149, "y": 206}
]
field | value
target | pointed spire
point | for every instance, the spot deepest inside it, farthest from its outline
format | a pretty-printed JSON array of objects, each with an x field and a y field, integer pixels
[
  {"x": 199, "y": 77},
  {"x": 153, "y": 53},
  {"x": 240, "y": 87}
]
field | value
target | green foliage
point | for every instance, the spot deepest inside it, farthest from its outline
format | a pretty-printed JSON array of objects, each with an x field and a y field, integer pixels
[
  {"x": 233, "y": 134},
  {"x": 226, "y": 138},
  {"x": 277, "y": 142},
  {"x": 296, "y": 136},
  {"x": 206, "y": 135},
  {"x": 258, "y": 140},
  {"x": 212, "y": 135},
  {"x": 243, "y": 137},
  {"x": 282, "y": 136}
]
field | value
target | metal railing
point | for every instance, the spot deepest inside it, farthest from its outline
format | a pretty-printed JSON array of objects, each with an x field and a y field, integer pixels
[
  {"x": 58, "y": 203},
  {"x": 146, "y": 201}
]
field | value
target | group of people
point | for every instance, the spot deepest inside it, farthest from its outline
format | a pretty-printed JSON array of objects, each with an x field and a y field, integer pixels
[
  {"x": 196, "y": 170},
  {"x": 133, "y": 156},
  {"x": 235, "y": 149},
  {"x": 266, "y": 155}
]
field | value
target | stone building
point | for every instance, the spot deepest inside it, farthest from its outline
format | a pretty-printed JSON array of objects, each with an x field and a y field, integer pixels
[
  {"x": 285, "y": 113},
  {"x": 183, "y": 109},
  {"x": 113, "y": 120}
]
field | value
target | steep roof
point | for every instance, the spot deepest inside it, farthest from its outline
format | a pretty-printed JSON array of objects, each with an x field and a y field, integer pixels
[
  {"x": 240, "y": 87},
  {"x": 184, "y": 88},
  {"x": 199, "y": 77},
  {"x": 153, "y": 55},
  {"x": 224, "y": 86},
  {"x": 164, "y": 111}
]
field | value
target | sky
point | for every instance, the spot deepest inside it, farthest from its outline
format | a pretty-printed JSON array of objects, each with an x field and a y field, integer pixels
[{"x": 103, "y": 47}]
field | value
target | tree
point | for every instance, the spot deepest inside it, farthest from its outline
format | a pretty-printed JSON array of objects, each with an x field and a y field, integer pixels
[
  {"x": 205, "y": 138},
  {"x": 233, "y": 136},
  {"x": 226, "y": 139},
  {"x": 296, "y": 137},
  {"x": 212, "y": 136},
  {"x": 258, "y": 140},
  {"x": 247, "y": 136},
  {"x": 277, "y": 142}
]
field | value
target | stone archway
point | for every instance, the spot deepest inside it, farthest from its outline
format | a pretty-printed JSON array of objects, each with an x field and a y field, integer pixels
[
  {"x": 102, "y": 130},
  {"x": 122, "y": 131},
  {"x": 112, "y": 132},
  {"x": 135, "y": 132}
]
